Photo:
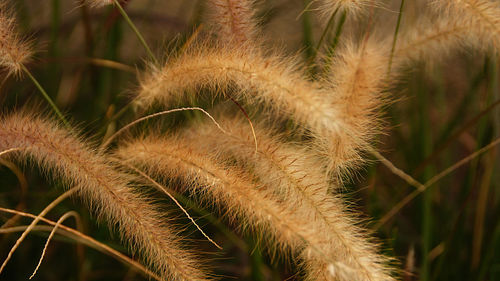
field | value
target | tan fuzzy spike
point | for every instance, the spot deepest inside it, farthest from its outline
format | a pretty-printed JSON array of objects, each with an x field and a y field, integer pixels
[
  {"x": 482, "y": 16},
  {"x": 323, "y": 243},
  {"x": 212, "y": 182},
  {"x": 469, "y": 24},
  {"x": 297, "y": 180},
  {"x": 104, "y": 188},
  {"x": 273, "y": 82},
  {"x": 358, "y": 77},
  {"x": 14, "y": 51},
  {"x": 234, "y": 20},
  {"x": 287, "y": 168}
]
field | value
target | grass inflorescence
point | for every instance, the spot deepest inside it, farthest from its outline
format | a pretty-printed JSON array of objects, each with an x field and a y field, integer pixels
[{"x": 252, "y": 140}]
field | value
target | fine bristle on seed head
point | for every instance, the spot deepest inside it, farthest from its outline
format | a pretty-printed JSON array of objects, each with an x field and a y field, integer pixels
[
  {"x": 353, "y": 7},
  {"x": 234, "y": 20},
  {"x": 99, "y": 3},
  {"x": 14, "y": 51}
]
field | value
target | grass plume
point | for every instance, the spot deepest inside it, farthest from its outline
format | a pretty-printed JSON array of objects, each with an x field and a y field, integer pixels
[
  {"x": 14, "y": 51},
  {"x": 297, "y": 180},
  {"x": 276, "y": 83},
  {"x": 482, "y": 16},
  {"x": 106, "y": 190},
  {"x": 357, "y": 79},
  {"x": 320, "y": 96},
  {"x": 327, "y": 238},
  {"x": 234, "y": 20},
  {"x": 454, "y": 26}
]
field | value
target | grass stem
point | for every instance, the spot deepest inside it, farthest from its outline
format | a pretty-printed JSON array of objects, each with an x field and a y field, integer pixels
[
  {"x": 323, "y": 35},
  {"x": 398, "y": 24},
  {"x": 136, "y": 31},
  {"x": 46, "y": 96}
]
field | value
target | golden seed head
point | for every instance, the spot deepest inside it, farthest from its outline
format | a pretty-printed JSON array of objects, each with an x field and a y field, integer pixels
[{"x": 14, "y": 51}]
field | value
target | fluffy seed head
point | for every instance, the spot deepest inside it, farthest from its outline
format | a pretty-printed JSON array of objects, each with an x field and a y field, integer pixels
[
  {"x": 14, "y": 51},
  {"x": 234, "y": 20},
  {"x": 481, "y": 16},
  {"x": 267, "y": 80},
  {"x": 458, "y": 25},
  {"x": 298, "y": 181},
  {"x": 357, "y": 79},
  {"x": 285, "y": 167},
  {"x": 318, "y": 231},
  {"x": 105, "y": 189}
]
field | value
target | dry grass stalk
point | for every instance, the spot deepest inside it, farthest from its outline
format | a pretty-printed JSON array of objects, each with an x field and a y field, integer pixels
[
  {"x": 58, "y": 223},
  {"x": 77, "y": 236},
  {"x": 106, "y": 190},
  {"x": 33, "y": 224}
]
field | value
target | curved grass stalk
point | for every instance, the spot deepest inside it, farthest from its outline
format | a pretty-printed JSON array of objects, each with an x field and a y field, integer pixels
[
  {"x": 128, "y": 126},
  {"x": 58, "y": 223},
  {"x": 164, "y": 190},
  {"x": 432, "y": 181},
  {"x": 34, "y": 222},
  {"x": 79, "y": 237}
]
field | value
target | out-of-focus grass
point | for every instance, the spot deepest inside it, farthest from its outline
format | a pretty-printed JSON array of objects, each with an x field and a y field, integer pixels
[{"x": 442, "y": 114}]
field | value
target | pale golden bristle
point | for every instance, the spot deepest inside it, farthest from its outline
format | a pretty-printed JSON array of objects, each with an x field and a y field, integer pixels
[
  {"x": 286, "y": 168},
  {"x": 357, "y": 79},
  {"x": 353, "y": 7},
  {"x": 297, "y": 180},
  {"x": 99, "y": 3}
]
